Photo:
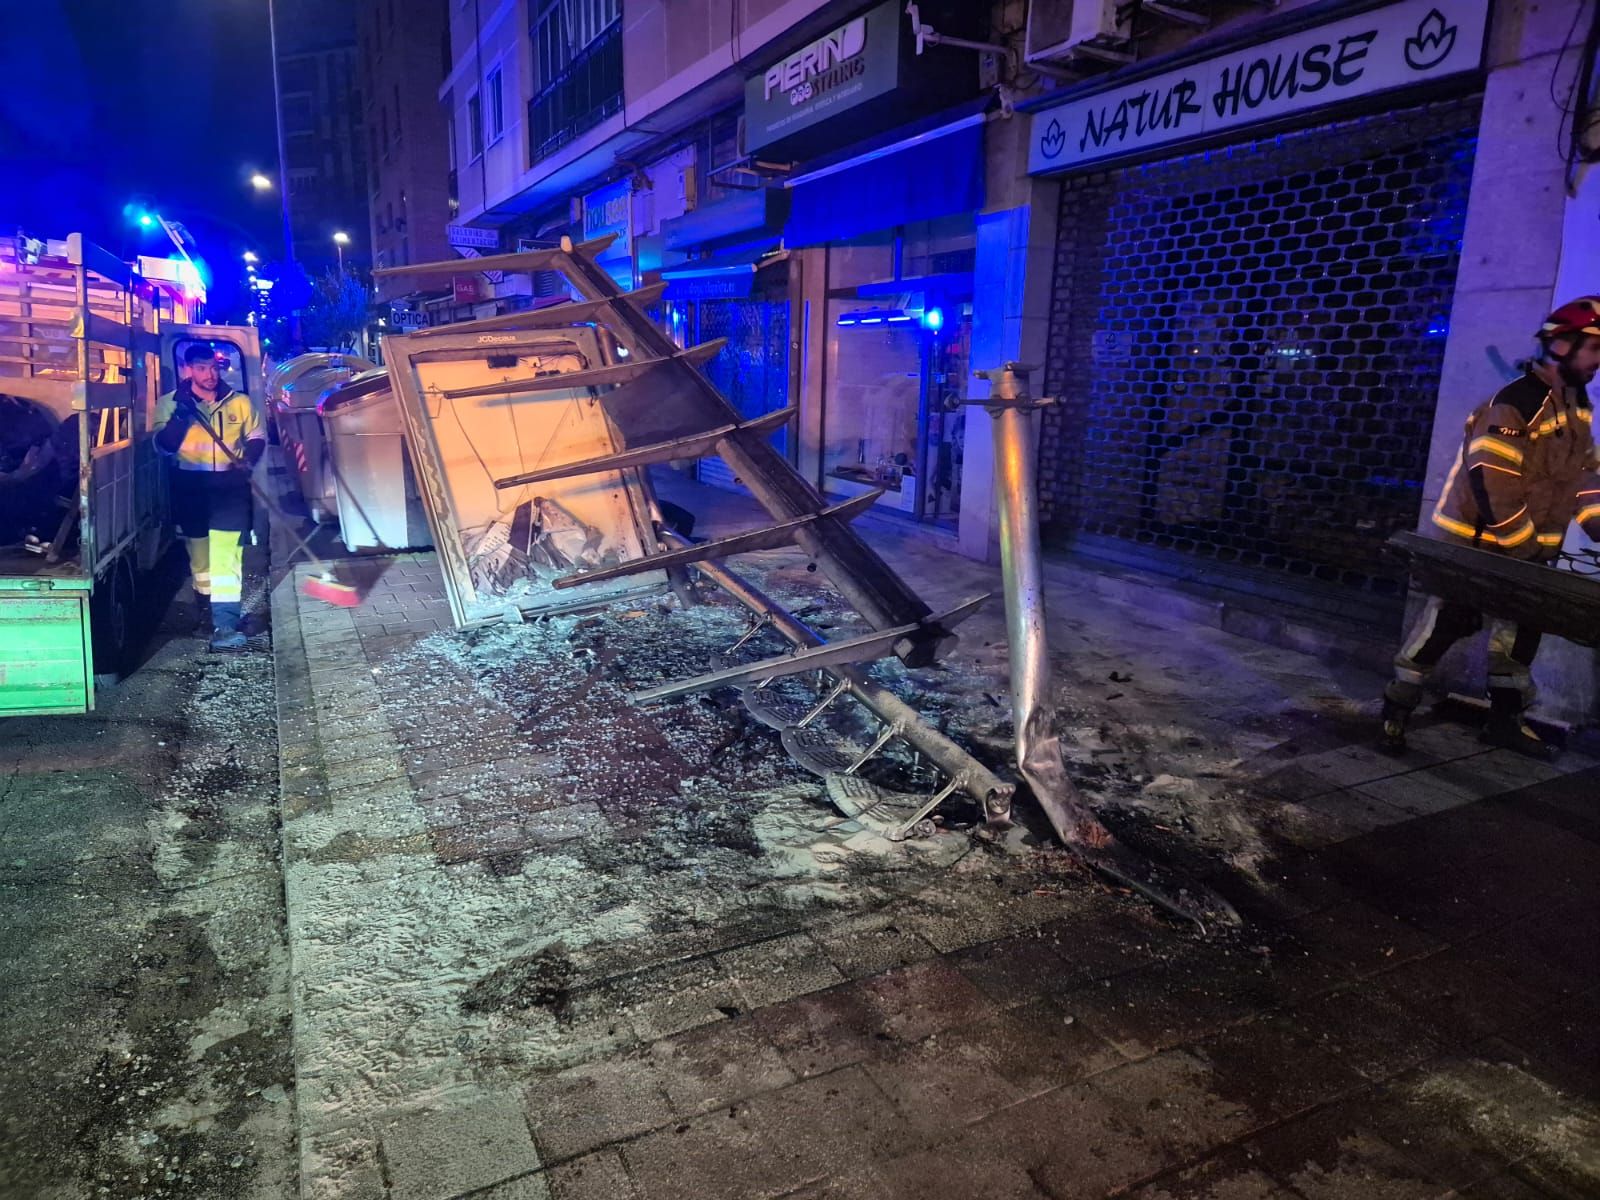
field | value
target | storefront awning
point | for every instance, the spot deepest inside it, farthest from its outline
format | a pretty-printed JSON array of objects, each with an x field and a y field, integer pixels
[
  {"x": 728, "y": 276},
  {"x": 931, "y": 174}
]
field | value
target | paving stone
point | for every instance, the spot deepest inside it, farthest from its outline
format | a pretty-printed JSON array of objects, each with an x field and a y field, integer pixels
[
  {"x": 1276, "y": 1066},
  {"x": 1178, "y": 1096},
  {"x": 912, "y": 1002},
  {"x": 1333, "y": 1154},
  {"x": 718, "y": 1157},
  {"x": 523, "y": 1187},
  {"x": 1329, "y": 819},
  {"x": 1107, "y": 1150},
  {"x": 824, "y": 1031},
  {"x": 942, "y": 1083},
  {"x": 1458, "y": 1000},
  {"x": 772, "y": 1145},
  {"x": 769, "y": 972},
  {"x": 1543, "y": 955},
  {"x": 598, "y": 1176},
  {"x": 1166, "y": 1004},
  {"x": 1228, "y": 1176},
  {"x": 574, "y": 1111},
  {"x": 981, "y": 914},
  {"x": 820, "y": 1122},
  {"x": 717, "y": 1064},
  {"x": 1362, "y": 939},
  {"x": 442, "y": 1151},
  {"x": 521, "y": 829},
  {"x": 972, "y": 1171},
  {"x": 1367, "y": 1030},
  {"x": 679, "y": 996},
  {"x": 1565, "y": 1039},
  {"x": 871, "y": 944},
  {"x": 1017, "y": 970},
  {"x": 1036, "y": 1047},
  {"x": 1428, "y": 1115},
  {"x": 1347, "y": 766},
  {"x": 1418, "y": 794}
]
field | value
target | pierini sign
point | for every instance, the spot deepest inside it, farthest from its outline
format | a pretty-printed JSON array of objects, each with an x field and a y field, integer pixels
[{"x": 1398, "y": 45}]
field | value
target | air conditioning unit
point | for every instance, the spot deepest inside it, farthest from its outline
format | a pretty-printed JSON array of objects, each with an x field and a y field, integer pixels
[{"x": 1062, "y": 30}]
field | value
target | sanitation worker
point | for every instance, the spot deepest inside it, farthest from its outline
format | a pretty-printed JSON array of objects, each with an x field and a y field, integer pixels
[
  {"x": 1527, "y": 468},
  {"x": 211, "y": 484}
]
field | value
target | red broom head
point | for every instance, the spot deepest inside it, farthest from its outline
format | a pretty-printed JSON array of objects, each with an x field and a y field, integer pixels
[{"x": 330, "y": 591}]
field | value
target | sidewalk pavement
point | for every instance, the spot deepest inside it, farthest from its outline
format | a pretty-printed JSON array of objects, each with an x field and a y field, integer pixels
[{"x": 547, "y": 944}]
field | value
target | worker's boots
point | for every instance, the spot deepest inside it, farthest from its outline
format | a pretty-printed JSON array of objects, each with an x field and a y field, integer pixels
[
  {"x": 1400, "y": 700},
  {"x": 225, "y": 631},
  {"x": 1508, "y": 731}
]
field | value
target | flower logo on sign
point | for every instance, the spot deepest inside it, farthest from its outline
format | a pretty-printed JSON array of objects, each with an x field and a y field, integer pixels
[
  {"x": 1432, "y": 42},
  {"x": 1054, "y": 139}
]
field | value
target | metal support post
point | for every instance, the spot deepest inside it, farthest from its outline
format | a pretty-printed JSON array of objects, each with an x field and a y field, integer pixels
[{"x": 1039, "y": 755}]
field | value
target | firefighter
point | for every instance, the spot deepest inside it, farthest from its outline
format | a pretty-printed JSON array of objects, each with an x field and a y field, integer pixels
[
  {"x": 1526, "y": 469},
  {"x": 210, "y": 485}
]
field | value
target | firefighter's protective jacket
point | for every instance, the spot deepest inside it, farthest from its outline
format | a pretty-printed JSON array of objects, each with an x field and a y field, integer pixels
[
  {"x": 1527, "y": 467},
  {"x": 231, "y": 415}
]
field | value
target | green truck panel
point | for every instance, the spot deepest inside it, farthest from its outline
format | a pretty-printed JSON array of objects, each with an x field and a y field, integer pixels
[{"x": 46, "y": 663}]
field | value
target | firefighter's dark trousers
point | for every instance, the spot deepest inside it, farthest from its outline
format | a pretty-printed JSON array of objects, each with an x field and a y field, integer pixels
[{"x": 1443, "y": 623}]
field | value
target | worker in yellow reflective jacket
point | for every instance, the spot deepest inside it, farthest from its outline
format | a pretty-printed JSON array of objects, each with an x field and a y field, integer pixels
[
  {"x": 1526, "y": 469},
  {"x": 211, "y": 484}
]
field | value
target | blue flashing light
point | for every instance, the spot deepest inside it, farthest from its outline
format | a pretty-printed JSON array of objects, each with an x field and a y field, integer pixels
[
  {"x": 933, "y": 318},
  {"x": 872, "y": 320},
  {"x": 146, "y": 221}
]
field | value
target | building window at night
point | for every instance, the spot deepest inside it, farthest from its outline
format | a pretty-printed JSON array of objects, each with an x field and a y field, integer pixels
[
  {"x": 497, "y": 110},
  {"x": 577, "y": 63},
  {"x": 475, "y": 125}
]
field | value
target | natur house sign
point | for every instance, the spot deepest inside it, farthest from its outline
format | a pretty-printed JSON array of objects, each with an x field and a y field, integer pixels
[{"x": 1399, "y": 45}]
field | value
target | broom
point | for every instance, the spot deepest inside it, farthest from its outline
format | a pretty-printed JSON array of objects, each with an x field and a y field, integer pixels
[{"x": 327, "y": 587}]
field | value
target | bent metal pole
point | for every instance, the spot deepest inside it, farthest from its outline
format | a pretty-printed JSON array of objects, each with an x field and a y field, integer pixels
[{"x": 1039, "y": 755}]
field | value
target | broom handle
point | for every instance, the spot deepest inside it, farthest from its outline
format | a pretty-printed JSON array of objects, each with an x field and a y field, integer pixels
[{"x": 260, "y": 494}]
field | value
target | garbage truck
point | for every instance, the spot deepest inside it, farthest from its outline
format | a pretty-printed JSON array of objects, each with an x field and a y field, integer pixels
[{"x": 87, "y": 345}]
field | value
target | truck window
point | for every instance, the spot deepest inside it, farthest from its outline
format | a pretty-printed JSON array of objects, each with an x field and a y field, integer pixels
[{"x": 229, "y": 357}]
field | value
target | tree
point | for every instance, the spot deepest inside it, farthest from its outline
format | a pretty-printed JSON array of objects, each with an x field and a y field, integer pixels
[{"x": 336, "y": 313}]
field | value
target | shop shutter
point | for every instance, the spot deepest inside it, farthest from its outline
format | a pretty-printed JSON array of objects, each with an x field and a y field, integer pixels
[{"x": 1248, "y": 343}]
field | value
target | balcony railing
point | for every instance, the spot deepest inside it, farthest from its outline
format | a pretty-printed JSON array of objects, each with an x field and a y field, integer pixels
[{"x": 583, "y": 95}]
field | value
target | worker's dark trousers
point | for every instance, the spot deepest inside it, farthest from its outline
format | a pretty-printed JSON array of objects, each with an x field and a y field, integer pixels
[
  {"x": 213, "y": 513},
  {"x": 1443, "y": 623}
]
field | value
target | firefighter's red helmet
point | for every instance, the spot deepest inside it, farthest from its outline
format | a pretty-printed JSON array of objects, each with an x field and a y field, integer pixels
[{"x": 1580, "y": 316}]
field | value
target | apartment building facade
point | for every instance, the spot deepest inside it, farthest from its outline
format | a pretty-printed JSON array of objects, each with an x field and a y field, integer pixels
[
  {"x": 1268, "y": 258},
  {"x": 403, "y": 61},
  {"x": 322, "y": 105}
]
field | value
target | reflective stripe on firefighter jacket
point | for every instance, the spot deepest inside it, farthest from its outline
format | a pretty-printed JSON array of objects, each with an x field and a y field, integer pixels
[
  {"x": 231, "y": 416},
  {"x": 1526, "y": 469}
]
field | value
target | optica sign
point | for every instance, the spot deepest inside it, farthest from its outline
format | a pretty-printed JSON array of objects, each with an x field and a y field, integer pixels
[{"x": 1401, "y": 45}]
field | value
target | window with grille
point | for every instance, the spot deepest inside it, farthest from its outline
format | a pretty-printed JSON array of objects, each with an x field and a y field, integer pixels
[
  {"x": 577, "y": 66},
  {"x": 1248, "y": 342}
]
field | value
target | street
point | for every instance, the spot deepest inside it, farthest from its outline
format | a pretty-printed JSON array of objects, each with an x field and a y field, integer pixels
[{"x": 144, "y": 963}]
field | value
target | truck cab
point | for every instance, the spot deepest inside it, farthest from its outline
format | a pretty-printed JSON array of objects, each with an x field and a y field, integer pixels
[{"x": 85, "y": 352}]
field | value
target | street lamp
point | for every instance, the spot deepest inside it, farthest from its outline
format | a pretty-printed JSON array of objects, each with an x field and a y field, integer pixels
[
  {"x": 250, "y": 256},
  {"x": 260, "y": 182},
  {"x": 341, "y": 239}
]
